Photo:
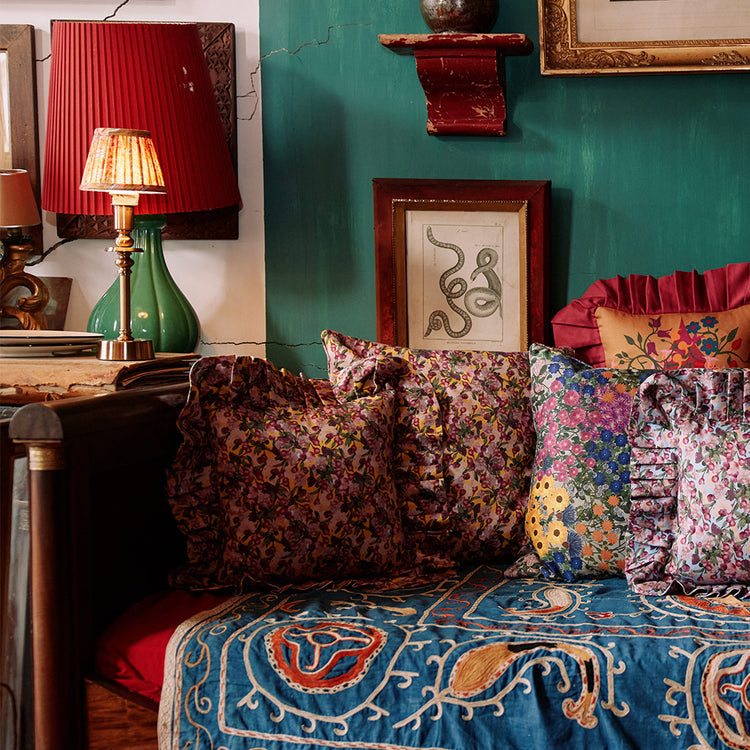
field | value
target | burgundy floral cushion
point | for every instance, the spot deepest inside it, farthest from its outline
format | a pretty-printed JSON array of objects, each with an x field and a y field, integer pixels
[
  {"x": 577, "y": 515},
  {"x": 690, "y": 512},
  {"x": 278, "y": 481},
  {"x": 464, "y": 441}
]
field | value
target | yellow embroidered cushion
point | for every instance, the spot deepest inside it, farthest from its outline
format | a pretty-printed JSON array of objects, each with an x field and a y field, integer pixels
[{"x": 671, "y": 340}]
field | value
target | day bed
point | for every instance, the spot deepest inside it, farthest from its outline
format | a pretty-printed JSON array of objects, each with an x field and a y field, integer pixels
[{"x": 546, "y": 553}]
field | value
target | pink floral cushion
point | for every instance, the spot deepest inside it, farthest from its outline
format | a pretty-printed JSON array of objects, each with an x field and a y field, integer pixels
[
  {"x": 278, "y": 481},
  {"x": 690, "y": 513},
  {"x": 464, "y": 441},
  {"x": 577, "y": 516}
]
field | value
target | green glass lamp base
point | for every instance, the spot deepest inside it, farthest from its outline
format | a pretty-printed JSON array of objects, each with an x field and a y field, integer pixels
[{"x": 160, "y": 312}]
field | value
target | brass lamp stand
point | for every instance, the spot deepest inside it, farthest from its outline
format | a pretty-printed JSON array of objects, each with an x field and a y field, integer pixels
[
  {"x": 123, "y": 163},
  {"x": 125, "y": 347}
]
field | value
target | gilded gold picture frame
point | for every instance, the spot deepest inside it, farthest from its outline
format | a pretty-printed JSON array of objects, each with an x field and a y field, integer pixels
[{"x": 612, "y": 37}]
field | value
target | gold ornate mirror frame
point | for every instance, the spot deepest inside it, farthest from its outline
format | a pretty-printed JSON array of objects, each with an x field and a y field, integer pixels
[{"x": 573, "y": 40}]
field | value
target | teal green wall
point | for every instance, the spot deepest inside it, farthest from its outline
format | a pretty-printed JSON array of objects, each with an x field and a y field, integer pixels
[{"x": 650, "y": 174}]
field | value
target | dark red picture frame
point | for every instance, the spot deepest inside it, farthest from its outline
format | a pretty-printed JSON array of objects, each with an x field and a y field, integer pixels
[{"x": 394, "y": 197}]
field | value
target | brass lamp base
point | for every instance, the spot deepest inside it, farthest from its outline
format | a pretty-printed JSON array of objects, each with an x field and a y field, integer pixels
[
  {"x": 125, "y": 348},
  {"x": 125, "y": 351}
]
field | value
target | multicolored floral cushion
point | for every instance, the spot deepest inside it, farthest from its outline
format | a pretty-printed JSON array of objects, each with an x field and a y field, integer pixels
[
  {"x": 690, "y": 513},
  {"x": 278, "y": 481},
  {"x": 577, "y": 516},
  {"x": 674, "y": 340},
  {"x": 464, "y": 440}
]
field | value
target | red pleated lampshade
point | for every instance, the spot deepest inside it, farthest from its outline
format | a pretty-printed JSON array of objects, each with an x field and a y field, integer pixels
[{"x": 141, "y": 76}]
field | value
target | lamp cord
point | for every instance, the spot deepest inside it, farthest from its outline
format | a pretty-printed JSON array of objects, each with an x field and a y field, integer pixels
[{"x": 38, "y": 260}]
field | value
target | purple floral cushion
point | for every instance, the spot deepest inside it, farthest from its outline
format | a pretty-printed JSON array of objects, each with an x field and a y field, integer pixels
[
  {"x": 577, "y": 516},
  {"x": 464, "y": 441},
  {"x": 690, "y": 513},
  {"x": 278, "y": 481}
]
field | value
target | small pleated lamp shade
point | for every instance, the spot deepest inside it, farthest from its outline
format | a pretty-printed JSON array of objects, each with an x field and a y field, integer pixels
[
  {"x": 122, "y": 160},
  {"x": 136, "y": 76}
]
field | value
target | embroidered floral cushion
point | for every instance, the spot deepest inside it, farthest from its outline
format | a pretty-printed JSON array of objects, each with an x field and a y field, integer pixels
[
  {"x": 694, "y": 295},
  {"x": 465, "y": 439},
  {"x": 277, "y": 481},
  {"x": 674, "y": 340},
  {"x": 577, "y": 516},
  {"x": 690, "y": 513}
]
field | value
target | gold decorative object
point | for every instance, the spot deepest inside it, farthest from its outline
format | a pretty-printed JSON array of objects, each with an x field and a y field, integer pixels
[
  {"x": 123, "y": 163},
  {"x": 18, "y": 210}
]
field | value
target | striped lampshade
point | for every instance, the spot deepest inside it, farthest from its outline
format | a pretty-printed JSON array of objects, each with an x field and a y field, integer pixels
[
  {"x": 122, "y": 160},
  {"x": 135, "y": 76}
]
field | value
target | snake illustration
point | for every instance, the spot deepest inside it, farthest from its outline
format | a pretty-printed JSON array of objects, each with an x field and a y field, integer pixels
[
  {"x": 480, "y": 302},
  {"x": 457, "y": 288},
  {"x": 484, "y": 300}
]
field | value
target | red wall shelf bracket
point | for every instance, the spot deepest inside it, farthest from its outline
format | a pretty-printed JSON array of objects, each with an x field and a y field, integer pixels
[{"x": 463, "y": 77}]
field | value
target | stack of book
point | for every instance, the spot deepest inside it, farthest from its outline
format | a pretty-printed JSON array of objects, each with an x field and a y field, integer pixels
[{"x": 29, "y": 379}]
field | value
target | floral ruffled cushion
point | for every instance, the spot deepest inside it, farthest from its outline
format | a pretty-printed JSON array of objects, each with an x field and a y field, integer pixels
[
  {"x": 277, "y": 481},
  {"x": 690, "y": 513},
  {"x": 464, "y": 441},
  {"x": 577, "y": 516}
]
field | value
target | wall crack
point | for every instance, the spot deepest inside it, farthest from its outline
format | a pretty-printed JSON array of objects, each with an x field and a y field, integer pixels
[
  {"x": 253, "y": 90},
  {"x": 258, "y": 343},
  {"x": 106, "y": 18},
  {"x": 114, "y": 12},
  {"x": 314, "y": 42}
]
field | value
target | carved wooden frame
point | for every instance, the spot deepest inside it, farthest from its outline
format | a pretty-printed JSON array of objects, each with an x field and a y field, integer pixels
[
  {"x": 563, "y": 54},
  {"x": 18, "y": 41},
  {"x": 395, "y": 198},
  {"x": 218, "y": 224}
]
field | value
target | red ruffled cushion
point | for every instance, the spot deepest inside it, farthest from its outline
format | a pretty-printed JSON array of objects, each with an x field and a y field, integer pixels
[{"x": 715, "y": 290}]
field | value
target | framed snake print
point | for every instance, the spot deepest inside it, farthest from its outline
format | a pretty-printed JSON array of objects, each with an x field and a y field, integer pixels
[{"x": 462, "y": 264}]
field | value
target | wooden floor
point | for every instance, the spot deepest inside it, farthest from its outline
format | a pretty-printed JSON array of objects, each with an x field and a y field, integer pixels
[{"x": 114, "y": 721}]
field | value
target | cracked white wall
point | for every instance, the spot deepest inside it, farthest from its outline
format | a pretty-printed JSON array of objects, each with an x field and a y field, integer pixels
[{"x": 224, "y": 280}]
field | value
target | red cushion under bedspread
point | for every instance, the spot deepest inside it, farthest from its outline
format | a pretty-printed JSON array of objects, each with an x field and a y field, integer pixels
[{"x": 131, "y": 651}]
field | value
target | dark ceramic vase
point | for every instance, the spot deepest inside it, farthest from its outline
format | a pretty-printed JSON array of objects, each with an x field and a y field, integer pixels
[{"x": 459, "y": 16}]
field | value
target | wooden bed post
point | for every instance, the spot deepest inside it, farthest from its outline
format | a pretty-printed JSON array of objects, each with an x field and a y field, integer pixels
[
  {"x": 57, "y": 694},
  {"x": 102, "y": 538}
]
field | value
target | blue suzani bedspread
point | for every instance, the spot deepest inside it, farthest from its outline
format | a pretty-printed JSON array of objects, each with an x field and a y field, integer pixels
[{"x": 474, "y": 660}]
